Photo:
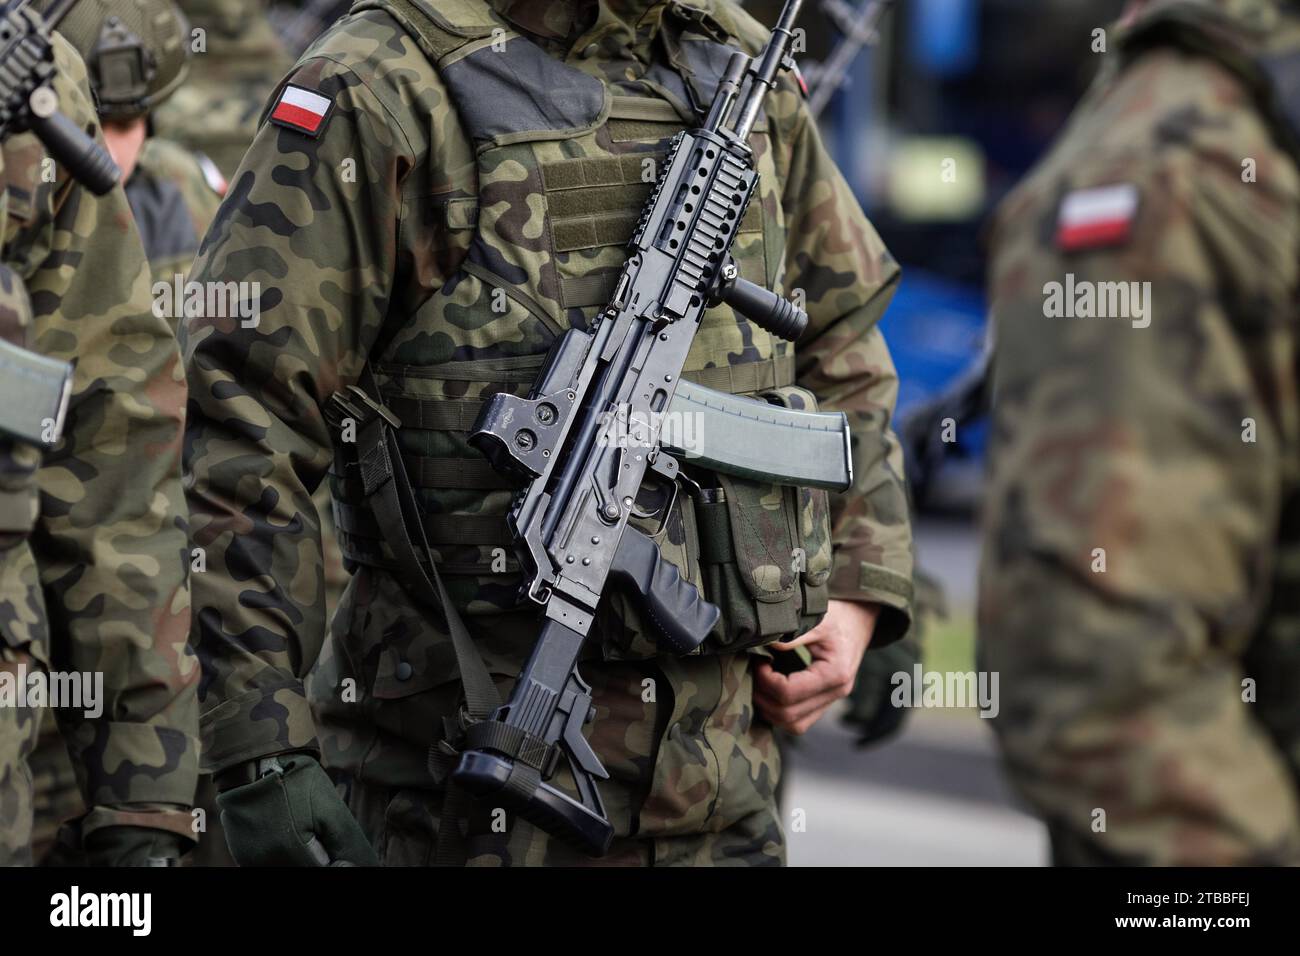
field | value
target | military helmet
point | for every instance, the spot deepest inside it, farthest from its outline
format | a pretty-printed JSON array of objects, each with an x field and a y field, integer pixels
[{"x": 137, "y": 52}]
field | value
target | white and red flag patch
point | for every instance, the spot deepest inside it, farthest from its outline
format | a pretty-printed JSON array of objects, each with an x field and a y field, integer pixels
[
  {"x": 1097, "y": 218},
  {"x": 302, "y": 109}
]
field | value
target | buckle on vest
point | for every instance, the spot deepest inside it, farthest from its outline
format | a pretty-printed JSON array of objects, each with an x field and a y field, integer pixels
[{"x": 354, "y": 403}]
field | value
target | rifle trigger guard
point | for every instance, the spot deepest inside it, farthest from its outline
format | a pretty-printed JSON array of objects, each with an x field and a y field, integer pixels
[{"x": 665, "y": 466}]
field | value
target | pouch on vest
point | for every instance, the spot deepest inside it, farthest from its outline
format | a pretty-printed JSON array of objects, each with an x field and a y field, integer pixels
[{"x": 765, "y": 551}]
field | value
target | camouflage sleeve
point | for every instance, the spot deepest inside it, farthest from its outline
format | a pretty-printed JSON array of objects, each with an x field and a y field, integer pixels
[
  {"x": 1139, "y": 467},
  {"x": 111, "y": 536},
  {"x": 847, "y": 278},
  {"x": 310, "y": 225}
]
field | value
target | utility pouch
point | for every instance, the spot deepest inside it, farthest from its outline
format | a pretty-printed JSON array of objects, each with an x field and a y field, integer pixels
[{"x": 765, "y": 552}]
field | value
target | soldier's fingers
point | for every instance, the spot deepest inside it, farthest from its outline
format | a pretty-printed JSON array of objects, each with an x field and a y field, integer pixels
[
  {"x": 792, "y": 688},
  {"x": 791, "y": 714},
  {"x": 825, "y": 628},
  {"x": 802, "y": 726},
  {"x": 799, "y": 641}
]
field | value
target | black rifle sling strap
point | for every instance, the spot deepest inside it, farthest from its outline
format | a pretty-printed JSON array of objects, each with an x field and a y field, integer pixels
[{"x": 392, "y": 500}]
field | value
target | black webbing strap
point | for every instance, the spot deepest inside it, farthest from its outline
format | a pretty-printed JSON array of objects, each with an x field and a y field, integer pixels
[
  {"x": 514, "y": 742},
  {"x": 397, "y": 511}
]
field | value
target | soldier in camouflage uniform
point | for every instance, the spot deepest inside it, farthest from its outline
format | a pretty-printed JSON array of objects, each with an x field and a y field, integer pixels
[
  {"x": 136, "y": 56},
  {"x": 1139, "y": 590},
  {"x": 411, "y": 202},
  {"x": 237, "y": 61},
  {"x": 93, "y": 537}
]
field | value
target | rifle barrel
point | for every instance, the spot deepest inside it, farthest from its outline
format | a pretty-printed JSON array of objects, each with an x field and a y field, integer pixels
[{"x": 763, "y": 76}]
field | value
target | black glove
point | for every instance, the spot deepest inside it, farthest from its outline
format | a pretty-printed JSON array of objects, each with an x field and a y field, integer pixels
[{"x": 290, "y": 815}]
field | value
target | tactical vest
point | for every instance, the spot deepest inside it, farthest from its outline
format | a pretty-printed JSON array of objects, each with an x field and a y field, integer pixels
[{"x": 561, "y": 183}]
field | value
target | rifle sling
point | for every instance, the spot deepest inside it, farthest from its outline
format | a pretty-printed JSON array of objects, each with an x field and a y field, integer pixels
[{"x": 391, "y": 498}]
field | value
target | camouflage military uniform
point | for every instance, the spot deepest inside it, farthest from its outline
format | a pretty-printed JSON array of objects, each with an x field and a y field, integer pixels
[
  {"x": 92, "y": 575},
  {"x": 1139, "y": 587},
  {"x": 236, "y": 61},
  {"x": 173, "y": 200},
  {"x": 444, "y": 224}
]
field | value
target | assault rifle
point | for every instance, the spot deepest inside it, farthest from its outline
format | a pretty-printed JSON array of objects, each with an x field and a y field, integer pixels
[
  {"x": 28, "y": 100},
  {"x": 580, "y": 479}
]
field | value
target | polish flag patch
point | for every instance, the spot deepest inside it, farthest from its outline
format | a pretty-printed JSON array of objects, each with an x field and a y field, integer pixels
[
  {"x": 1097, "y": 218},
  {"x": 302, "y": 109}
]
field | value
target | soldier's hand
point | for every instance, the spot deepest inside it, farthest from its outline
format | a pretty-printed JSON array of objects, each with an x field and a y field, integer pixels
[
  {"x": 794, "y": 702},
  {"x": 291, "y": 815}
]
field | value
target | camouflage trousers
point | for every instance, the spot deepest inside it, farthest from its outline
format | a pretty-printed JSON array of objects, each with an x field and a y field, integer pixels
[
  {"x": 57, "y": 797},
  {"x": 19, "y": 728},
  {"x": 402, "y": 825},
  {"x": 693, "y": 769}
]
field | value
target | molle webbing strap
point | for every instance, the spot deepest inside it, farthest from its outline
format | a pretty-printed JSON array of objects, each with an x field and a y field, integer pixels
[
  {"x": 454, "y": 473},
  {"x": 441, "y": 414},
  {"x": 468, "y": 530},
  {"x": 775, "y": 372},
  {"x": 397, "y": 511}
]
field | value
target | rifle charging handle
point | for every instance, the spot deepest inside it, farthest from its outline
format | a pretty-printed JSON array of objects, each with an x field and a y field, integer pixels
[{"x": 761, "y": 306}]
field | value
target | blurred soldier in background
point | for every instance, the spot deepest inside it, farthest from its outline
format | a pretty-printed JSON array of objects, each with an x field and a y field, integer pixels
[
  {"x": 299, "y": 22},
  {"x": 92, "y": 536},
  {"x": 1140, "y": 589},
  {"x": 136, "y": 55},
  {"x": 237, "y": 62}
]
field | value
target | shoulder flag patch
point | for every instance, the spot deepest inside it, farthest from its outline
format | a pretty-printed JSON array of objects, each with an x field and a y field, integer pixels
[
  {"x": 212, "y": 175},
  {"x": 302, "y": 109},
  {"x": 1097, "y": 218}
]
